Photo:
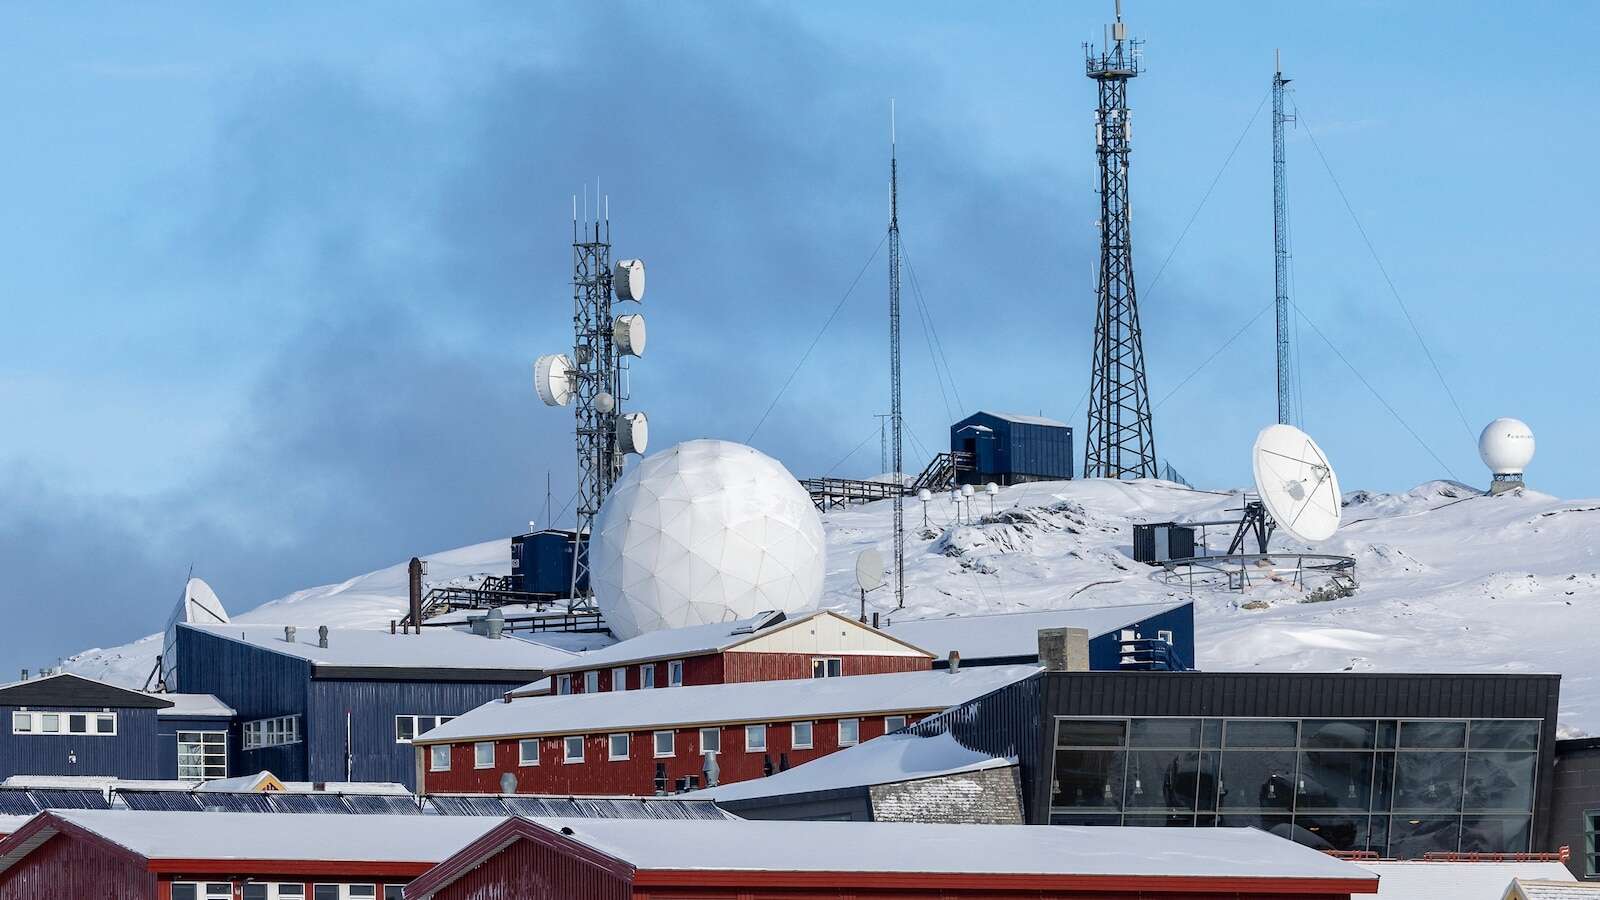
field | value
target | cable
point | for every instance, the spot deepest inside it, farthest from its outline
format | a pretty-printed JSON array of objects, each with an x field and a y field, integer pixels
[
  {"x": 847, "y": 456},
  {"x": 916, "y": 287},
  {"x": 1215, "y": 353},
  {"x": 803, "y": 357},
  {"x": 1300, "y": 117}
]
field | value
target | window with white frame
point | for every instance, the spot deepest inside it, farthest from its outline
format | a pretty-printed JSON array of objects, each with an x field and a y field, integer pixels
[
  {"x": 572, "y": 749},
  {"x": 826, "y": 667},
  {"x": 591, "y": 681},
  {"x": 483, "y": 755},
  {"x": 711, "y": 739},
  {"x": 274, "y": 890},
  {"x": 563, "y": 684},
  {"x": 849, "y": 732},
  {"x": 202, "y": 755},
  {"x": 344, "y": 892},
  {"x": 675, "y": 673},
  {"x": 801, "y": 737},
  {"x": 617, "y": 744},
  {"x": 102, "y": 724},
  {"x": 408, "y": 727},
  {"x": 202, "y": 890},
  {"x": 755, "y": 738},
  {"x": 271, "y": 732},
  {"x": 893, "y": 723},
  {"x": 664, "y": 741},
  {"x": 647, "y": 675},
  {"x": 1164, "y": 635},
  {"x": 439, "y": 758},
  {"x": 528, "y": 752},
  {"x": 619, "y": 678},
  {"x": 394, "y": 892}
]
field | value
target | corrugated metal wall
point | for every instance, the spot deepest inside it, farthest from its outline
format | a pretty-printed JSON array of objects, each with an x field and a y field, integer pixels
[
  {"x": 130, "y": 753},
  {"x": 1004, "y": 723},
  {"x": 526, "y": 870},
  {"x": 1018, "y": 451},
  {"x": 1105, "y": 651},
  {"x": 66, "y": 868},
  {"x": 372, "y": 707},
  {"x": 739, "y": 667},
  {"x": 258, "y": 684},
  {"x": 167, "y": 728}
]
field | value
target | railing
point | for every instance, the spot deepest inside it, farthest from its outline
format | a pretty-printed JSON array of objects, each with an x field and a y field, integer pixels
[{"x": 1150, "y": 655}]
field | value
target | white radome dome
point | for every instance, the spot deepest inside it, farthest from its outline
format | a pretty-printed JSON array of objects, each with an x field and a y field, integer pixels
[
  {"x": 1506, "y": 446},
  {"x": 706, "y": 531}
]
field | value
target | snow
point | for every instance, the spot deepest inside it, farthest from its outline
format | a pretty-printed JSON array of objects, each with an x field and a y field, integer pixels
[
  {"x": 311, "y": 836},
  {"x": 191, "y": 705},
  {"x": 1017, "y": 633},
  {"x": 672, "y": 643},
  {"x": 1555, "y": 890},
  {"x": 105, "y": 783},
  {"x": 1027, "y": 420},
  {"x": 884, "y": 760},
  {"x": 965, "y": 849},
  {"x": 759, "y": 701},
  {"x": 1454, "y": 880},
  {"x": 434, "y": 648},
  {"x": 1451, "y": 580},
  {"x": 9, "y": 824}
]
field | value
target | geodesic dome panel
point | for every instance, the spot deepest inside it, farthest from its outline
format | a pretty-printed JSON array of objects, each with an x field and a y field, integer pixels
[{"x": 706, "y": 531}]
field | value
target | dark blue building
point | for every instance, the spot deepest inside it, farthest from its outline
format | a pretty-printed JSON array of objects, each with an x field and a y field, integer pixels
[
  {"x": 1011, "y": 449},
  {"x": 70, "y": 725},
  {"x": 541, "y": 562},
  {"x": 344, "y": 705},
  {"x": 1135, "y": 637}
]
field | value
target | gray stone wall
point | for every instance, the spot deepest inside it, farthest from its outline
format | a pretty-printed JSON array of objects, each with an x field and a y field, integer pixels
[{"x": 987, "y": 797}]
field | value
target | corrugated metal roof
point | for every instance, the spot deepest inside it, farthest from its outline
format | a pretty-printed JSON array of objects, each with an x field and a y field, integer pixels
[{"x": 434, "y": 648}]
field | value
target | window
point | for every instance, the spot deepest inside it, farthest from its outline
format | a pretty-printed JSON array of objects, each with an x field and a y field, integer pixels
[
  {"x": 893, "y": 723},
  {"x": 618, "y": 746},
  {"x": 361, "y": 891},
  {"x": 647, "y": 675},
  {"x": 268, "y": 890},
  {"x": 483, "y": 755},
  {"x": 755, "y": 738},
  {"x": 802, "y": 735},
  {"x": 98, "y": 724},
  {"x": 572, "y": 749},
  {"x": 664, "y": 743},
  {"x": 528, "y": 752},
  {"x": 619, "y": 678},
  {"x": 563, "y": 684},
  {"x": 826, "y": 667},
  {"x": 202, "y": 755},
  {"x": 272, "y": 732},
  {"x": 591, "y": 682},
  {"x": 849, "y": 732},
  {"x": 439, "y": 758},
  {"x": 1591, "y": 853},
  {"x": 202, "y": 890},
  {"x": 675, "y": 673},
  {"x": 1164, "y": 635},
  {"x": 325, "y": 892},
  {"x": 344, "y": 892},
  {"x": 408, "y": 727},
  {"x": 393, "y": 892},
  {"x": 711, "y": 739}
]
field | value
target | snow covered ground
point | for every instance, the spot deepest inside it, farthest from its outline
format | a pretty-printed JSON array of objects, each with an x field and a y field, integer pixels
[{"x": 1451, "y": 580}]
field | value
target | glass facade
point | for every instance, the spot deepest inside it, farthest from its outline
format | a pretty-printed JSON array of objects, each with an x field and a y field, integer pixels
[{"x": 1399, "y": 787}]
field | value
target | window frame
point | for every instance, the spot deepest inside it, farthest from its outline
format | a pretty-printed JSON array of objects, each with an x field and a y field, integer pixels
[
  {"x": 477, "y": 754},
  {"x": 750, "y": 747},
  {"x": 591, "y": 681},
  {"x": 855, "y": 738},
  {"x": 647, "y": 676},
  {"x": 208, "y": 770},
  {"x": 62, "y": 720},
  {"x": 275, "y": 889},
  {"x": 831, "y": 666},
  {"x": 522, "y": 754},
  {"x": 701, "y": 741},
  {"x": 794, "y": 735},
  {"x": 203, "y": 889},
  {"x": 434, "y": 751},
  {"x": 1591, "y": 835},
  {"x": 611, "y": 746},
  {"x": 619, "y": 678},
  {"x": 566, "y": 750},
  {"x": 672, "y": 744},
  {"x": 416, "y": 725},
  {"x": 888, "y": 723},
  {"x": 275, "y": 731},
  {"x": 563, "y": 685},
  {"x": 675, "y": 669}
]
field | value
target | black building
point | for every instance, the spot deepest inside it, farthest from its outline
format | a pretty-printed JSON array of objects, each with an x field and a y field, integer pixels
[{"x": 1575, "y": 813}]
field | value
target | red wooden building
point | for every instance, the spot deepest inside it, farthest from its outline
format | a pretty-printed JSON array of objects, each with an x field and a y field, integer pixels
[
  {"x": 646, "y": 742},
  {"x": 128, "y": 855},
  {"x": 609, "y": 859},
  {"x": 765, "y": 647}
]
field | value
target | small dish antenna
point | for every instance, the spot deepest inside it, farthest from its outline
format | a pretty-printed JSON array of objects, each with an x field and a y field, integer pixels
[
  {"x": 552, "y": 378},
  {"x": 627, "y": 279},
  {"x": 869, "y": 575},
  {"x": 1296, "y": 483},
  {"x": 633, "y": 433},
  {"x": 628, "y": 333}
]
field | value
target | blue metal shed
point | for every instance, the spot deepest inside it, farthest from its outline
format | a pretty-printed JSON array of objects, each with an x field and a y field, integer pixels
[
  {"x": 541, "y": 562},
  {"x": 71, "y": 725},
  {"x": 1009, "y": 449}
]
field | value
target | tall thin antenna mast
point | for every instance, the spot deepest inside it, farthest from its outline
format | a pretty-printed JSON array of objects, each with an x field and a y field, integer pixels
[
  {"x": 1121, "y": 441},
  {"x": 1280, "y": 245},
  {"x": 895, "y": 417}
]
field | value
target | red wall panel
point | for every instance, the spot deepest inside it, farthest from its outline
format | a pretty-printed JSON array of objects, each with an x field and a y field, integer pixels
[
  {"x": 67, "y": 868},
  {"x": 529, "y": 871},
  {"x": 740, "y": 667}
]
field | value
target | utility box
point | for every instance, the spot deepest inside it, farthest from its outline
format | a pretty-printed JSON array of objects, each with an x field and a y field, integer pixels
[
  {"x": 541, "y": 562},
  {"x": 1159, "y": 542}
]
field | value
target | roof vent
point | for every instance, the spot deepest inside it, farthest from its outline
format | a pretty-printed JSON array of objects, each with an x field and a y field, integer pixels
[
  {"x": 955, "y": 661},
  {"x": 322, "y": 636},
  {"x": 288, "y": 633},
  {"x": 764, "y": 619},
  {"x": 494, "y": 624},
  {"x": 567, "y": 830}
]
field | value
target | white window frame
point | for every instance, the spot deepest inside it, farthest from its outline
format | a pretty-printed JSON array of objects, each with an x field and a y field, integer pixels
[
  {"x": 208, "y": 890},
  {"x": 749, "y": 745},
  {"x": 279, "y": 890},
  {"x": 1164, "y": 635},
  {"x": 619, "y": 678},
  {"x": 566, "y": 749},
  {"x": 611, "y": 746},
  {"x": 855, "y": 738},
  {"x": 717, "y": 732},
  {"x": 675, "y": 673},
  {"x": 563, "y": 685},
  {"x": 477, "y": 754},
  {"x": 522, "y": 752},
  {"x": 672, "y": 744},
  {"x": 591, "y": 681},
  {"x": 277, "y": 731},
  {"x": 212, "y": 750},
  {"x": 62, "y": 719},
  {"x": 22, "y": 722},
  {"x": 647, "y": 676},
  {"x": 832, "y": 666},
  {"x": 889, "y": 723},
  {"x": 794, "y": 735},
  {"x": 344, "y": 890},
  {"x": 436, "y": 753},
  {"x": 416, "y": 726}
]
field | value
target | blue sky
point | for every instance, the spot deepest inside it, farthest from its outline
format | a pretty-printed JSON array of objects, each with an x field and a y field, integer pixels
[{"x": 274, "y": 276}]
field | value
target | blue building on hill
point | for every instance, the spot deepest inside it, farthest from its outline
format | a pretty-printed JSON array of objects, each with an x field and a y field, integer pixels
[
  {"x": 1135, "y": 637},
  {"x": 1011, "y": 449}
]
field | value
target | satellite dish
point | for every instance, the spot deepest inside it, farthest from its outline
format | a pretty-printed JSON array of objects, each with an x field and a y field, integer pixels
[
  {"x": 633, "y": 432},
  {"x": 966, "y": 490},
  {"x": 869, "y": 570},
  {"x": 1296, "y": 483},
  {"x": 924, "y": 495},
  {"x": 604, "y": 402},
  {"x": 627, "y": 279},
  {"x": 552, "y": 378},
  {"x": 991, "y": 489},
  {"x": 198, "y": 605},
  {"x": 628, "y": 334}
]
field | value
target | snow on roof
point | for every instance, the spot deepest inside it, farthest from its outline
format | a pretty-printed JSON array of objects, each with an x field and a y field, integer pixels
[
  {"x": 433, "y": 648},
  {"x": 105, "y": 782},
  {"x": 1016, "y": 634},
  {"x": 9, "y": 824},
  {"x": 891, "y": 758},
  {"x": 757, "y": 701},
  {"x": 260, "y": 781},
  {"x": 674, "y": 642},
  {"x": 194, "y": 705},
  {"x": 310, "y": 836},
  {"x": 1551, "y": 890},
  {"x": 752, "y": 845},
  {"x": 1026, "y": 420},
  {"x": 1454, "y": 880}
]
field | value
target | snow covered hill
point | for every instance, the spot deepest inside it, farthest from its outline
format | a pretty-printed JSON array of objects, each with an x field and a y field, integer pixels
[{"x": 1450, "y": 580}]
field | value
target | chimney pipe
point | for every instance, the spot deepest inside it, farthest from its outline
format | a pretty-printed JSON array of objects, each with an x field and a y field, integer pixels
[
  {"x": 288, "y": 633},
  {"x": 322, "y": 636},
  {"x": 874, "y": 620},
  {"x": 414, "y": 581},
  {"x": 955, "y": 661},
  {"x": 24, "y": 674},
  {"x": 494, "y": 624},
  {"x": 713, "y": 772},
  {"x": 392, "y": 625}
]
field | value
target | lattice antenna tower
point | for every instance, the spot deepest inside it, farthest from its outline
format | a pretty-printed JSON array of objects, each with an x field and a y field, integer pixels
[
  {"x": 896, "y": 420},
  {"x": 1280, "y": 245},
  {"x": 1121, "y": 440}
]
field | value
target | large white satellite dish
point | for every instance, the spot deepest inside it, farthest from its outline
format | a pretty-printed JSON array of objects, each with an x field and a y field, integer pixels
[
  {"x": 627, "y": 279},
  {"x": 552, "y": 378},
  {"x": 1296, "y": 482},
  {"x": 198, "y": 605},
  {"x": 869, "y": 570}
]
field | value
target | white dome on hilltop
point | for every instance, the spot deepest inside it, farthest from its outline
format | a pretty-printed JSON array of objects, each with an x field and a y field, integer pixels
[
  {"x": 1506, "y": 446},
  {"x": 706, "y": 531}
]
